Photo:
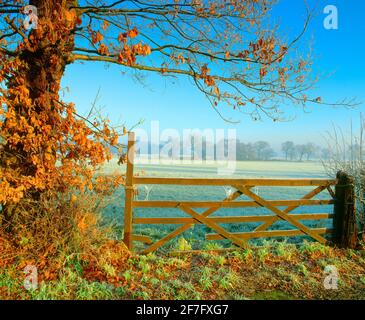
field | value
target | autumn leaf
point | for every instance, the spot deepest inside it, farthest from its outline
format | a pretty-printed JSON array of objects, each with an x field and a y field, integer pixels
[
  {"x": 73, "y": 198},
  {"x": 103, "y": 50},
  {"x": 263, "y": 72},
  {"x": 132, "y": 33},
  {"x": 318, "y": 99},
  {"x": 97, "y": 37},
  {"x": 81, "y": 225},
  {"x": 78, "y": 21},
  {"x": 105, "y": 25},
  {"x": 70, "y": 15}
]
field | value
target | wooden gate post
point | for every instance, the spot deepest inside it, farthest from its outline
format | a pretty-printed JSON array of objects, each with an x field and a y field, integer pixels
[
  {"x": 344, "y": 221},
  {"x": 129, "y": 193}
]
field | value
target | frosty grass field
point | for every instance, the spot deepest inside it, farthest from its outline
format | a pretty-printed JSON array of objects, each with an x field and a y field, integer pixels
[{"x": 195, "y": 236}]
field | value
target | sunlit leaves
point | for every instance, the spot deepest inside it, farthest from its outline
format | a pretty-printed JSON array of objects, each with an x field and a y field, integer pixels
[
  {"x": 96, "y": 37},
  {"x": 132, "y": 33},
  {"x": 44, "y": 145},
  {"x": 103, "y": 50}
]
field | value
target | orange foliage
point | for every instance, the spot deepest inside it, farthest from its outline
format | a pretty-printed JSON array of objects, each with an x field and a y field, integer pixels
[{"x": 44, "y": 144}]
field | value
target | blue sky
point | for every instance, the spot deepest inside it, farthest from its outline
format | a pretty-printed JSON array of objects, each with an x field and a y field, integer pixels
[{"x": 176, "y": 103}]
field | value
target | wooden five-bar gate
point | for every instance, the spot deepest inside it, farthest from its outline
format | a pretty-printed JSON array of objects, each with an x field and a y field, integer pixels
[{"x": 342, "y": 197}]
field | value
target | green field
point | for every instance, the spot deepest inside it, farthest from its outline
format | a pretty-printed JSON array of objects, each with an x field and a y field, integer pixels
[{"x": 195, "y": 236}]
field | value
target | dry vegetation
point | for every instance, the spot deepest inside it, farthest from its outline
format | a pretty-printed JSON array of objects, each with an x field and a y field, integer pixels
[
  {"x": 273, "y": 271},
  {"x": 78, "y": 256}
]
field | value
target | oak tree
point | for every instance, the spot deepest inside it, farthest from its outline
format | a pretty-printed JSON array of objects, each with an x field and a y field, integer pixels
[{"x": 230, "y": 50}]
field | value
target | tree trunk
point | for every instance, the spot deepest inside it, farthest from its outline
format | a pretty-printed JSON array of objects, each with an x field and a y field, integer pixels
[{"x": 42, "y": 65}]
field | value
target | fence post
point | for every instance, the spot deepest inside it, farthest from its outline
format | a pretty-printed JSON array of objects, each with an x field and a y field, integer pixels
[
  {"x": 129, "y": 193},
  {"x": 344, "y": 221}
]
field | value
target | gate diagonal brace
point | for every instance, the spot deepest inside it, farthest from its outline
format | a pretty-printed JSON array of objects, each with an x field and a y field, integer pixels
[
  {"x": 186, "y": 226},
  {"x": 204, "y": 220},
  {"x": 281, "y": 214},
  {"x": 308, "y": 196}
]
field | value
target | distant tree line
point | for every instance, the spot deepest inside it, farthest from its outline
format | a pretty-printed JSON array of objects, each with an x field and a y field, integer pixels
[
  {"x": 302, "y": 152},
  {"x": 251, "y": 151},
  {"x": 261, "y": 150}
]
